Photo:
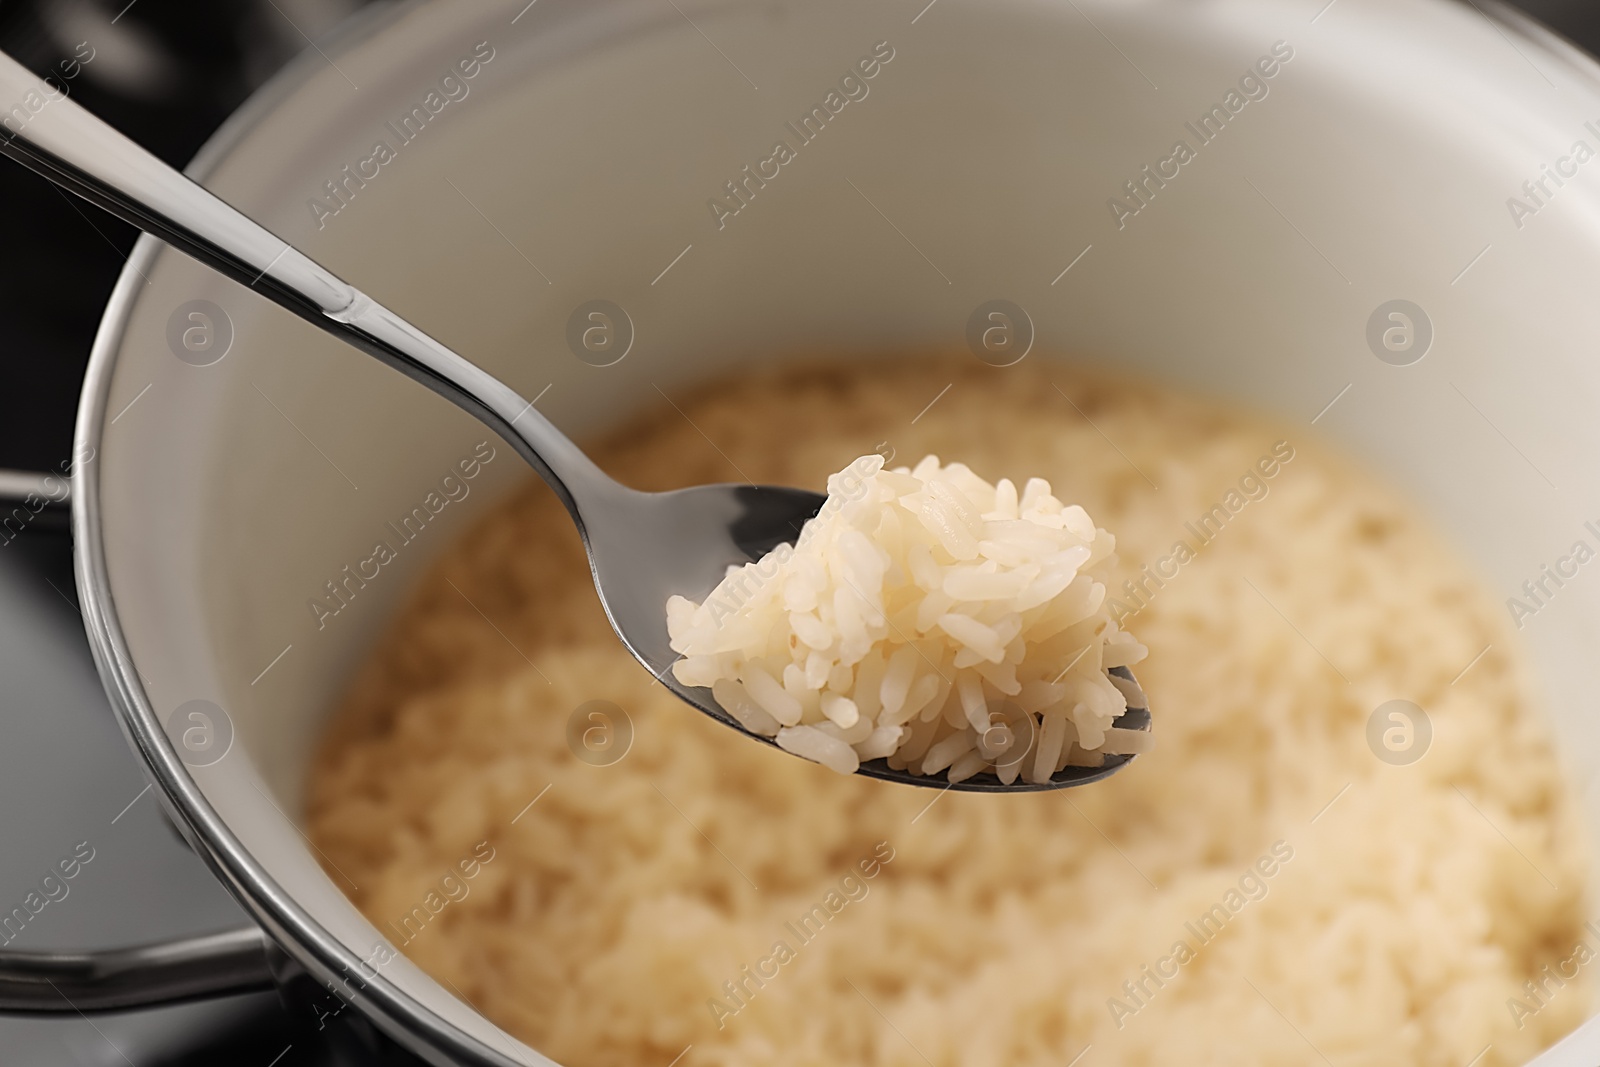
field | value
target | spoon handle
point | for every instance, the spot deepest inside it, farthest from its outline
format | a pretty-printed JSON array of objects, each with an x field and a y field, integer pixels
[{"x": 54, "y": 137}]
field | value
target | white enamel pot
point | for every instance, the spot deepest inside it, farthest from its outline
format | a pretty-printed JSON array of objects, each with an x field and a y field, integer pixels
[{"x": 239, "y": 468}]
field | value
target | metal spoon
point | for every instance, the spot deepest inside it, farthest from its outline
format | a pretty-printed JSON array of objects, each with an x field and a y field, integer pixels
[{"x": 642, "y": 547}]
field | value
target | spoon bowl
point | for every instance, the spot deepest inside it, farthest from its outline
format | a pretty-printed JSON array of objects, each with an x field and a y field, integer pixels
[
  {"x": 646, "y": 547},
  {"x": 690, "y": 539}
]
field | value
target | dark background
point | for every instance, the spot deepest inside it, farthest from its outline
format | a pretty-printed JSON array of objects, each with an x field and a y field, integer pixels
[{"x": 167, "y": 72}]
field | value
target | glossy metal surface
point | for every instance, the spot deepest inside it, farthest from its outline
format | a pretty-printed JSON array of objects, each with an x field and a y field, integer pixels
[
  {"x": 27, "y": 497},
  {"x": 643, "y": 547},
  {"x": 235, "y": 961}
]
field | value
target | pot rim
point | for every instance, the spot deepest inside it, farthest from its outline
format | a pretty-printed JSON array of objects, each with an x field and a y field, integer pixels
[{"x": 418, "y": 1028}]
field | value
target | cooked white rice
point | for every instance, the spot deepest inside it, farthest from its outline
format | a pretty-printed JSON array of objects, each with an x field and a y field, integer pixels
[
  {"x": 927, "y": 616},
  {"x": 619, "y": 907}
]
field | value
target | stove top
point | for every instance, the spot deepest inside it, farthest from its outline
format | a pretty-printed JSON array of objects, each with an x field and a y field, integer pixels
[
  {"x": 167, "y": 74},
  {"x": 70, "y": 787}
]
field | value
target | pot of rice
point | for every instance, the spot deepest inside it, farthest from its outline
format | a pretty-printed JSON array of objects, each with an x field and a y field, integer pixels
[{"x": 1289, "y": 300}]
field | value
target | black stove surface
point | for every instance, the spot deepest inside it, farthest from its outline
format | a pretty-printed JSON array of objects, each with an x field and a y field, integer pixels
[{"x": 166, "y": 72}]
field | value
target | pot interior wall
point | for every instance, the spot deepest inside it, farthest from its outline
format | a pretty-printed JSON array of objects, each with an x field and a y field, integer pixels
[{"x": 579, "y": 166}]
